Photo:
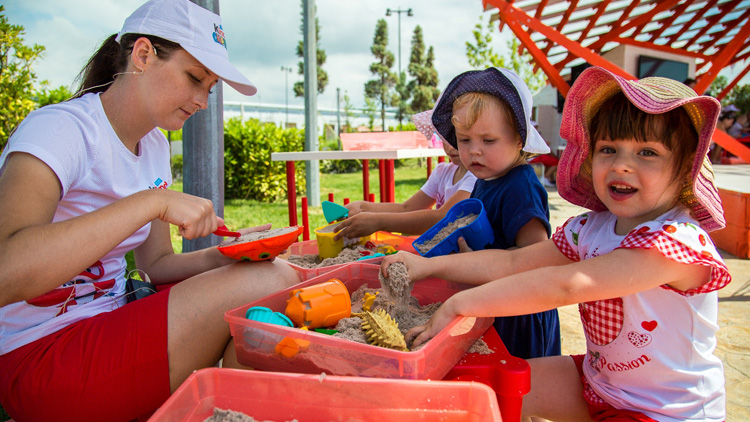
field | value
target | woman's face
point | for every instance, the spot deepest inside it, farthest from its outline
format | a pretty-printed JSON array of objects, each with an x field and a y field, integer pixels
[{"x": 177, "y": 88}]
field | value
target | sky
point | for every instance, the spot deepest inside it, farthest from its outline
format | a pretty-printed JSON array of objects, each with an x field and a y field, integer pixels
[{"x": 262, "y": 36}]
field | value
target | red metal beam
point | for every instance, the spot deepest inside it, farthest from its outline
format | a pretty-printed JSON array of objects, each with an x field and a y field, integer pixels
[
  {"x": 678, "y": 11},
  {"x": 552, "y": 74},
  {"x": 732, "y": 84},
  {"x": 662, "y": 48},
  {"x": 729, "y": 27},
  {"x": 563, "y": 22},
  {"x": 721, "y": 59},
  {"x": 725, "y": 8},
  {"x": 686, "y": 27},
  {"x": 732, "y": 145}
]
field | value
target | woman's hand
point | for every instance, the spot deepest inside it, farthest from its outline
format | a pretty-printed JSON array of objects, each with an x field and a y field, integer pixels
[
  {"x": 444, "y": 316},
  {"x": 360, "y": 225},
  {"x": 416, "y": 266},
  {"x": 193, "y": 215}
]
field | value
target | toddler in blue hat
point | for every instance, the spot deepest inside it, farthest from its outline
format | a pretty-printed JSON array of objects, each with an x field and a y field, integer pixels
[{"x": 486, "y": 114}]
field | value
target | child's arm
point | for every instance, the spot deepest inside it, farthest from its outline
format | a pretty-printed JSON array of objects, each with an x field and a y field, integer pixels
[
  {"x": 479, "y": 267},
  {"x": 418, "y": 201},
  {"x": 616, "y": 274},
  {"x": 532, "y": 232},
  {"x": 411, "y": 222}
]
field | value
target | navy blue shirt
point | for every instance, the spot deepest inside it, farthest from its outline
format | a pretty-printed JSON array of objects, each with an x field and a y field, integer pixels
[{"x": 511, "y": 201}]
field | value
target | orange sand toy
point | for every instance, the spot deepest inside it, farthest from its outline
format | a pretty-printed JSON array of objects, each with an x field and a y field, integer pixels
[
  {"x": 319, "y": 305},
  {"x": 261, "y": 249}
]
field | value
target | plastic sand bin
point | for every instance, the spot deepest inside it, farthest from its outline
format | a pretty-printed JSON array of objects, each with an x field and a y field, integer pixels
[
  {"x": 276, "y": 396},
  {"x": 478, "y": 234},
  {"x": 339, "y": 356}
]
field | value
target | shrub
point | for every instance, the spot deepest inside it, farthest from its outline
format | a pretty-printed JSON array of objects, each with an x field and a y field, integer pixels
[
  {"x": 249, "y": 172},
  {"x": 177, "y": 167}
]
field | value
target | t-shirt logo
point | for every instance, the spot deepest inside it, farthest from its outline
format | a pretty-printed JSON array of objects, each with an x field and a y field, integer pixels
[
  {"x": 159, "y": 184},
  {"x": 219, "y": 35}
]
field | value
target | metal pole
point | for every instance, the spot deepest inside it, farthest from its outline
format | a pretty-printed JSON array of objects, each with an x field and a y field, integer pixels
[
  {"x": 338, "y": 110},
  {"x": 287, "y": 71},
  {"x": 312, "y": 173},
  {"x": 203, "y": 141}
]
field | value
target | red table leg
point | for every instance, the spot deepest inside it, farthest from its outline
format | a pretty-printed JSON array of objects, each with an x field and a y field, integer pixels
[
  {"x": 330, "y": 197},
  {"x": 390, "y": 181},
  {"x": 291, "y": 193},
  {"x": 441, "y": 159},
  {"x": 305, "y": 220},
  {"x": 366, "y": 179},
  {"x": 381, "y": 175},
  {"x": 429, "y": 166}
]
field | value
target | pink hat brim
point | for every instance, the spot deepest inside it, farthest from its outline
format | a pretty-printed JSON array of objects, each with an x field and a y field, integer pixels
[{"x": 652, "y": 95}]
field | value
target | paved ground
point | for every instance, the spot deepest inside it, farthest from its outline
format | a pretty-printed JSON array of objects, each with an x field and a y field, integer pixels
[{"x": 734, "y": 321}]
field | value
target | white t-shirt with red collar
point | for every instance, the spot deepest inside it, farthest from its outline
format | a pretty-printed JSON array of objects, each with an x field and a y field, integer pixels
[
  {"x": 652, "y": 351},
  {"x": 76, "y": 140}
]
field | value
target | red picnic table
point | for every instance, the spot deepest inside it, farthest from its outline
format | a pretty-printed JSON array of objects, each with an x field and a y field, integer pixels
[{"x": 387, "y": 157}]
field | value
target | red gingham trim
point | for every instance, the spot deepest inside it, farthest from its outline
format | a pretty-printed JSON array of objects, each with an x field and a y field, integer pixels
[
  {"x": 678, "y": 252},
  {"x": 602, "y": 320},
  {"x": 562, "y": 242}
]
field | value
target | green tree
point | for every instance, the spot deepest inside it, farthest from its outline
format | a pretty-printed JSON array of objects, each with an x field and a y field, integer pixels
[
  {"x": 423, "y": 87},
  {"x": 379, "y": 89},
  {"x": 740, "y": 97},
  {"x": 371, "y": 111},
  {"x": 401, "y": 99},
  {"x": 320, "y": 54},
  {"x": 481, "y": 56},
  {"x": 16, "y": 76},
  {"x": 348, "y": 111},
  {"x": 57, "y": 95},
  {"x": 717, "y": 86}
]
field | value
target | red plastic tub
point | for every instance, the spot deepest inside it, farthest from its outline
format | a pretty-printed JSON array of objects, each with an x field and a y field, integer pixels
[
  {"x": 264, "y": 346},
  {"x": 272, "y": 396}
]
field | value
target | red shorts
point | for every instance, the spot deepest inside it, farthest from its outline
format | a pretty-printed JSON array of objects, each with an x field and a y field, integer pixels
[
  {"x": 605, "y": 412},
  {"x": 110, "y": 367}
]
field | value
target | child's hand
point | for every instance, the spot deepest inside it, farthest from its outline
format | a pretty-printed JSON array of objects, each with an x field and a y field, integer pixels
[
  {"x": 363, "y": 224},
  {"x": 419, "y": 335},
  {"x": 463, "y": 246},
  {"x": 355, "y": 207},
  {"x": 416, "y": 266}
]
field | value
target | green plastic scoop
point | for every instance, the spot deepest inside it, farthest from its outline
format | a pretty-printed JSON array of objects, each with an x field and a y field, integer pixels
[{"x": 333, "y": 212}]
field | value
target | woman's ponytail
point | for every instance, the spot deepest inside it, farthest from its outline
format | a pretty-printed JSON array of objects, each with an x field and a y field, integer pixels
[{"x": 101, "y": 67}]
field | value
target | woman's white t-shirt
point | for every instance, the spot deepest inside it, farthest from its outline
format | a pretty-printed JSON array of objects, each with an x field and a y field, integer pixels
[{"x": 76, "y": 140}]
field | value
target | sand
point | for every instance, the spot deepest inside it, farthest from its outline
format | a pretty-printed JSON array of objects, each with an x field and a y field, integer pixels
[
  {"x": 346, "y": 255},
  {"x": 251, "y": 237},
  {"x": 445, "y": 232},
  {"x": 221, "y": 415}
]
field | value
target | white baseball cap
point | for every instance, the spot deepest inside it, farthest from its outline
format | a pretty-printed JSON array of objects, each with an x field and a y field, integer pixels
[{"x": 195, "y": 29}]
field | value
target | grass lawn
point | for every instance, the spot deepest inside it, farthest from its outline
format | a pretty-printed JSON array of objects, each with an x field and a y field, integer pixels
[
  {"x": 246, "y": 213},
  {"x": 409, "y": 175}
]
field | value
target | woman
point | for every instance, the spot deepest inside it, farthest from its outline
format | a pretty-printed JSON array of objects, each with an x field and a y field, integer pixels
[{"x": 81, "y": 184}]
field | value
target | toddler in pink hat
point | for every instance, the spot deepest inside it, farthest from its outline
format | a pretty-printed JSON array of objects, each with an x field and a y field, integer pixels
[{"x": 640, "y": 265}]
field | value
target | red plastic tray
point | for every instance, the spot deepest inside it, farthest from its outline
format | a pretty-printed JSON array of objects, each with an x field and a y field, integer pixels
[{"x": 314, "y": 398}]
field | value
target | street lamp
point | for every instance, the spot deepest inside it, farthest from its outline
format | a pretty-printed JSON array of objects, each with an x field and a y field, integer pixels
[
  {"x": 389, "y": 12},
  {"x": 287, "y": 71}
]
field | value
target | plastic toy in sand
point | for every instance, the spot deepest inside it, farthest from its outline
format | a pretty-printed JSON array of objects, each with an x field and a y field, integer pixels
[
  {"x": 467, "y": 219},
  {"x": 330, "y": 248},
  {"x": 382, "y": 330},
  {"x": 319, "y": 305},
  {"x": 260, "y": 246}
]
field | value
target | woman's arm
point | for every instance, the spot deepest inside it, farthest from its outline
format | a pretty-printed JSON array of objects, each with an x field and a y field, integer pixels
[
  {"x": 32, "y": 247},
  {"x": 616, "y": 274}
]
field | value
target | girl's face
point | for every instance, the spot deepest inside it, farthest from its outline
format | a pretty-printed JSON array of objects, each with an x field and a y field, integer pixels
[
  {"x": 491, "y": 146},
  {"x": 634, "y": 180},
  {"x": 179, "y": 88},
  {"x": 452, "y": 153}
]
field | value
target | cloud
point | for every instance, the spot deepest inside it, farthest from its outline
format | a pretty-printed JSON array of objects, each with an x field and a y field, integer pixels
[{"x": 262, "y": 37}]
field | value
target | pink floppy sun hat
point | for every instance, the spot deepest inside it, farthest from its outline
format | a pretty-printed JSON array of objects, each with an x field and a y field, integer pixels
[{"x": 652, "y": 95}]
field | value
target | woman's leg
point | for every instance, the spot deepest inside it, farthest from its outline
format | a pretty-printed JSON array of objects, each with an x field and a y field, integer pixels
[
  {"x": 198, "y": 335},
  {"x": 556, "y": 391}
]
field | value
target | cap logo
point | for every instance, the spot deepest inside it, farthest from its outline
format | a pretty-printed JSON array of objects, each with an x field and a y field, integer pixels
[{"x": 219, "y": 35}]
